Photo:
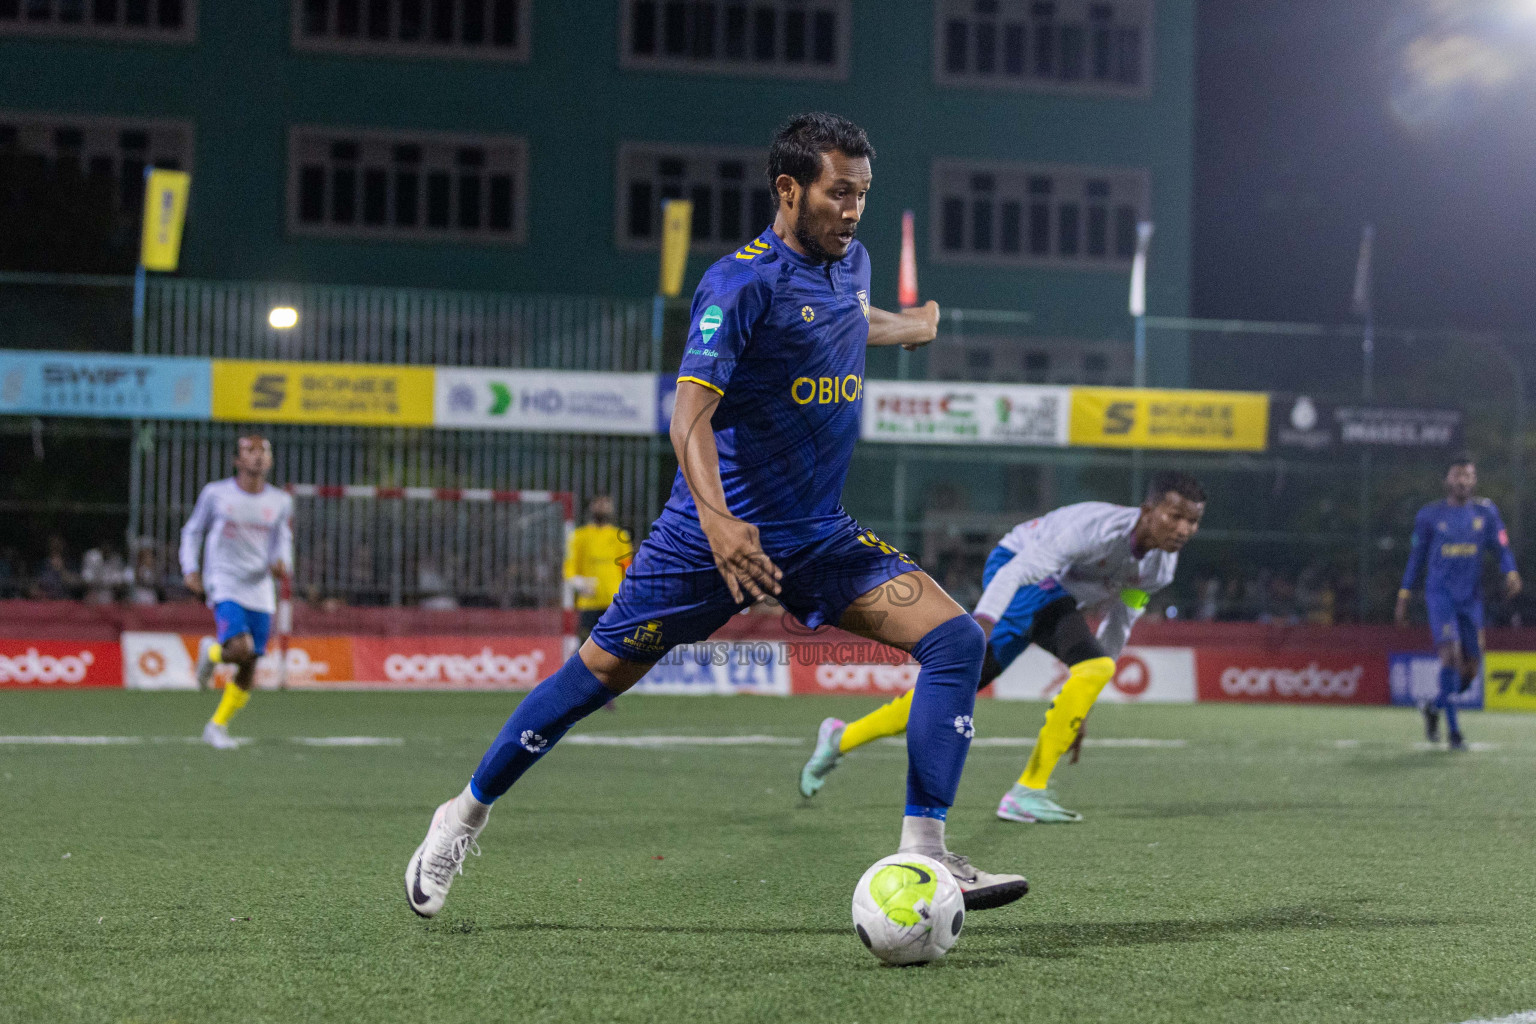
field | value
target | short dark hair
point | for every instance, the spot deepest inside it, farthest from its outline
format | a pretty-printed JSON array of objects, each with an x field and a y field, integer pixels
[
  {"x": 1464, "y": 459},
  {"x": 800, "y": 141},
  {"x": 1172, "y": 481}
]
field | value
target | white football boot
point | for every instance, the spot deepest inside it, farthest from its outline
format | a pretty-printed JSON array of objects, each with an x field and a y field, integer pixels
[
  {"x": 983, "y": 890},
  {"x": 440, "y": 856},
  {"x": 218, "y": 737},
  {"x": 205, "y": 663}
]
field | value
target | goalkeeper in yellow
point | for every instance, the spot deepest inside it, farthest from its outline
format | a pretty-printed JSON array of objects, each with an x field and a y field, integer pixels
[
  {"x": 596, "y": 559},
  {"x": 1040, "y": 580}
]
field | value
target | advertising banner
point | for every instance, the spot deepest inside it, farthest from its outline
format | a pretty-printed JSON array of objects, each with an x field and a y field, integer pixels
[
  {"x": 59, "y": 664},
  {"x": 546, "y": 400},
  {"x": 1188, "y": 420},
  {"x": 1305, "y": 423},
  {"x": 165, "y": 661},
  {"x": 1511, "y": 679},
  {"x": 88, "y": 384},
  {"x": 454, "y": 662},
  {"x": 1259, "y": 675},
  {"x": 338, "y": 393},
  {"x": 1414, "y": 679},
  {"x": 720, "y": 668},
  {"x": 925, "y": 412},
  {"x": 1143, "y": 675}
]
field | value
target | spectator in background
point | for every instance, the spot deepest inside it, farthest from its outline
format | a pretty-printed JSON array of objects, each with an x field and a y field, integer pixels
[
  {"x": 105, "y": 574},
  {"x": 56, "y": 581},
  {"x": 436, "y": 595},
  {"x": 1209, "y": 592},
  {"x": 596, "y": 559},
  {"x": 146, "y": 578}
]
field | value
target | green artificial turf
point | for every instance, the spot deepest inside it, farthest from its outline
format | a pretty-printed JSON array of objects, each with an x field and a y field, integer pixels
[{"x": 1286, "y": 864}]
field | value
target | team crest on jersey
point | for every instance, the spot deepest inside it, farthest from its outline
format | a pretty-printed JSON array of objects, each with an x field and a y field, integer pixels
[
  {"x": 863, "y": 302},
  {"x": 1477, "y": 522}
]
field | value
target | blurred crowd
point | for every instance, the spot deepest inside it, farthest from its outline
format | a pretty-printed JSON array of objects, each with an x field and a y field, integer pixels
[{"x": 103, "y": 574}]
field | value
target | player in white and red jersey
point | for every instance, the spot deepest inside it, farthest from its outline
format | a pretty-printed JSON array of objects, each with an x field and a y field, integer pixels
[
  {"x": 1042, "y": 577},
  {"x": 238, "y": 541}
]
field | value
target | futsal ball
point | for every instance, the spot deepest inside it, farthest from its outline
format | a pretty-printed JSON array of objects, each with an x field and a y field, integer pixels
[{"x": 908, "y": 909}]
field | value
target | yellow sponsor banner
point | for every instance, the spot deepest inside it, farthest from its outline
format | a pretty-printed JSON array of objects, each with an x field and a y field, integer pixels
[
  {"x": 1509, "y": 681},
  {"x": 165, "y": 211},
  {"x": 343, "y": 393},
  {"x": 1149, "y": 418}
]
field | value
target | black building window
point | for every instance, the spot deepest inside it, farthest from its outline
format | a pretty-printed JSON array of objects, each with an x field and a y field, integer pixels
[
  {"x": 731, "y": 200},
  {"x": 167, "y": 20},
  {"x": 1022, "y": 215},
  {"x": 492, "y": 29},
  {"x": 1096, "y": 46},
  {"x": 104, "y": 158},
  {"x": 394, "y": 186},
  {"x": 783, "y": 38}
]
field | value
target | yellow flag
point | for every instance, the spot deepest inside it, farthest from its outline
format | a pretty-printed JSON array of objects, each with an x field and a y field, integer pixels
[
  {"x": 165, "y": 210},
  {"x": 676, "y": 227}
]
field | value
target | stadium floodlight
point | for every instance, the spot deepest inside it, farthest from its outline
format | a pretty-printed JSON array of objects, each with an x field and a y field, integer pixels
[{"x": 283, "y": 317}]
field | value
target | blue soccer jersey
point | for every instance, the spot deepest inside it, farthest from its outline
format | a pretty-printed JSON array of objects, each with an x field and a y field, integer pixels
[
  {"x": 1450, "y": 540},
  {"x": 782, "y": 339}
]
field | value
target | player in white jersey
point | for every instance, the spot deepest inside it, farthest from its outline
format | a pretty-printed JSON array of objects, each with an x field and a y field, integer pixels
[
  {"x": 1042, "y": 577},
  {"x": 239, "y": 539}
]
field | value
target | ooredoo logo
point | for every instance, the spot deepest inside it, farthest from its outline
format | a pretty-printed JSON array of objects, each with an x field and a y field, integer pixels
[
  {"x": 1132, "y": 676},
  {"x": 487, "y": 667},
  {"x": 1309, "y": 681},
  {"x": 32, "y": 667},
  {"x": 885, "y": 678}
]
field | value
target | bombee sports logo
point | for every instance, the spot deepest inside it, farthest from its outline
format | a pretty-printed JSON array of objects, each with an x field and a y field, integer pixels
[{"x": 269, "y": 390}]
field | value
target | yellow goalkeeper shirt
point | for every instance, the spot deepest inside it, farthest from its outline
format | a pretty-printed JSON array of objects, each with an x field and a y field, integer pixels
[{"x": 602, "y": 553}]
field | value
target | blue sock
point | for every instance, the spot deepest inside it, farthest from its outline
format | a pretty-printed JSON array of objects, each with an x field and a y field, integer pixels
[
  {"x": 1450, "y": 685},
  {"x": 544, "y": 716},
  {"x": 939, "y": 729}
]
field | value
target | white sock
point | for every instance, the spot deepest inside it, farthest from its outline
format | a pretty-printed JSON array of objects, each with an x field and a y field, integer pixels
[
  {"x": 922, "y": 835},
  {"x": 470, "y": 812}
]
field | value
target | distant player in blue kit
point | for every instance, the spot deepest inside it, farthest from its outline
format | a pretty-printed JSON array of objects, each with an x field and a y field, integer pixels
[
  {"x": 1450, "y": 537},
  {"x": 767, "y": 413}
]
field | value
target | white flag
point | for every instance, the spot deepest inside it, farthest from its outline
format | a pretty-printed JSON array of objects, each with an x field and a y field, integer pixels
[
  {"x": 1139, "y": 268},
  {"x": 1360, "y": 305}
]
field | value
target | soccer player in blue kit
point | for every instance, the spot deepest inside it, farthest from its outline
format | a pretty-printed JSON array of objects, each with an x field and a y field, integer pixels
[
  {"x": 1450, "y": 537},
  {"x": 764, "y": 425}
]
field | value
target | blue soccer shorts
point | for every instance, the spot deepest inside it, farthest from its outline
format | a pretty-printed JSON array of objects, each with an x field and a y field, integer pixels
[
  {"x": 1011, "y": 636},
  {"x": 673, "y": 594},
  {"x": 1452, "y": 621},
  {"x": 230, "y": 620}
]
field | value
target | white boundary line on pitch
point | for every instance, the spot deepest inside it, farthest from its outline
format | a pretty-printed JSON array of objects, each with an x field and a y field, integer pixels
[
  {"x": 1131, "y": 742},
  {"x": 1523, "y": 1017},
  {"x": 119, "y": 741}
]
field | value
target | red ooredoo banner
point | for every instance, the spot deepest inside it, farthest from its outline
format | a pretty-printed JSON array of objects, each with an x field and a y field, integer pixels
[
  {"x": 60, "y": 664},
  {"x": 501, "y": 663},
  {"x": 1257, "y": 675}
]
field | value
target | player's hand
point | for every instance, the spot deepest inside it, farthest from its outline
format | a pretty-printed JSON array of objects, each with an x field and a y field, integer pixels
[
  {"x": 194, "y": 582},
  {"x": 1512, "y": 585},
  {"x": 748, "y": 572},
  {"x": 1400, "y": 614},
  {"x": 928, "y": 315},
  {"x": 280, "y": 569}
]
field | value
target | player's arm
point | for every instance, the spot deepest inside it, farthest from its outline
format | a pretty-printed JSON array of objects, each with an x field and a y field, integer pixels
[
  {"x": 1418, "y": 552},
  {"x": 738, "y": 552},
  {"x": 192, "y": 534},
  {"x": 727, "y": 307},
  {"x": 1497, "y": 537},
  {"x": 1119, "y": 619},
  {"x": 1049, "y": 551},
  {"x": 911, "y": 328},
  {"x": 280, "y": 546}
]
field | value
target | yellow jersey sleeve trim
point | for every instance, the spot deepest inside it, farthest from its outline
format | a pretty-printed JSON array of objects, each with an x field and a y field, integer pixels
[{"x": 713, "y": 387}]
